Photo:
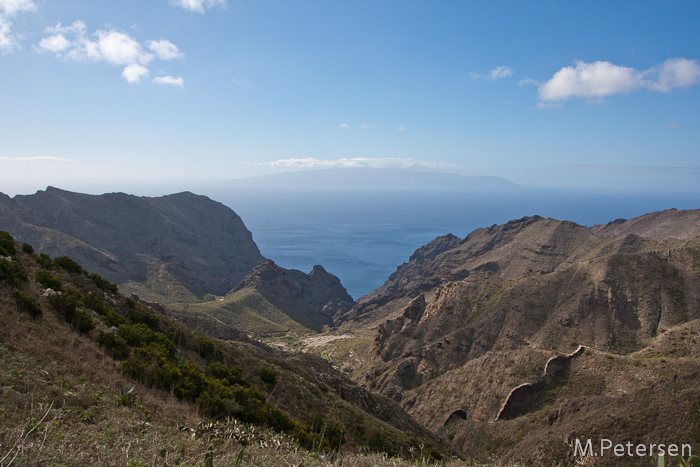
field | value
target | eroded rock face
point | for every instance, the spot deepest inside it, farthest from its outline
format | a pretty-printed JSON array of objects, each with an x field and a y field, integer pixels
[
  {"x": 311, "y": 300},
  {"x": 204, "y": 244},
  {"x": 480, "y": 328}
]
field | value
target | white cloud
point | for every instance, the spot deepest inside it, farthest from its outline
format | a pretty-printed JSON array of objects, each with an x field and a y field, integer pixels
[
  {"x": 164, "y": 49},
  {"x": 37, "y": 158},
  {"x": 8, "y": 10},
  {"x": 675, "y": 73},
  {"x": 118, "y": 48},
  {"x": 44, "y": 158},
  {"x": 56, "y": 43},
  {"x": 402, "y": 128},
  {"x": 12, "y": 7},
  {"x": 134, "y": 73},
  {"x": 198, "y": 5},
  {"x": 497, "y": 73},
  {"x": 355, "y": 162},
  {"x": 527, "y": 81},
  {"x": 77, "y": 27},
  {"x": 601, "y": 79},
  {"x": 343, "y": 125},
  {"x": 170, "y": 81},
  {"x": 590, "y": 80},
  {"x": 500, "y": 72},
  {"x": 109, "y": 46}
]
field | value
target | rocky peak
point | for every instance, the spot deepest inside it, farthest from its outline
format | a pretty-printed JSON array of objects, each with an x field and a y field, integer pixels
[{"x": 310, "y": 299}]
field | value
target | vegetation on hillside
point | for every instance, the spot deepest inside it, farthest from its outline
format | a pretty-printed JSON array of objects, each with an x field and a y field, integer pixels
[{"x": 75, "y": 353}]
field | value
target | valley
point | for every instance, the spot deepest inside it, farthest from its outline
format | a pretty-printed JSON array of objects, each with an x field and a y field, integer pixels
[{"x": 508, "y": 344}]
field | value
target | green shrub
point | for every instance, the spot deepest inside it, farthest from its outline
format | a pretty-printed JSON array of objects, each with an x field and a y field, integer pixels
[
  {"x": 68, "y": 264},
  {"x": 83, "y": 322},
  {"x": 66, "y": 303},
  {"x": 48, "y": 280},
  {"x": 217, "y": 400},
  {"x": 44, "y": 261},
  {"x": 27, "y": 304},
  {"x": 141, "y": 315},
  {"x": 103, "y": 284},
  {"x": 7, "y": 244},
  {"x": 268, "y": 376},
  {"x": 206, "y": 348},
  {"x": 114, "y": 319},
  {"x": 27, "y": 248},
  {"x": 95, "y": 303},
  {"x": 114, "y": 344},
  {"x": 139, "y": 335},
  {"x": 12, "y": 272},
  {"x": 191, "y": 382},
  {"x": 153, "y": 364},
  {"x": 230, "y": 374}
]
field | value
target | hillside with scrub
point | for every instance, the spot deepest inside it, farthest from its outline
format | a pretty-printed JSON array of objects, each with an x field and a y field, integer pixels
[{"x": 91, "y": 376}]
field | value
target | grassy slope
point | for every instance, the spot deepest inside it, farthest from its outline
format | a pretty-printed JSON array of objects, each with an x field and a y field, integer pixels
[
  {"x": 246, "y": 310},
  {"x": 63, "y": 400}
]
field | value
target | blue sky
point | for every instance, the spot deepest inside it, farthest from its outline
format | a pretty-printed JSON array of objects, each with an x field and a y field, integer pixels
[{"x": 100, "y": 95}]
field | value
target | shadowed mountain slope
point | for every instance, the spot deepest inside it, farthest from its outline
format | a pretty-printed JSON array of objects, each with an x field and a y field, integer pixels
[
  {"x": 202, "y": 244},
  {"x": 272, "y": 301}
]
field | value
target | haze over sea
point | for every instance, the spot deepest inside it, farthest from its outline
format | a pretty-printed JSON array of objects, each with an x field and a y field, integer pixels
[{"x": 362, "y": 234}]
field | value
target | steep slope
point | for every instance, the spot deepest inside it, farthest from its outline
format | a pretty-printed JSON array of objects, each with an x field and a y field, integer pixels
[
  {"x": 51, "y": 360},
  {"x": 273, "y": 301},
  {"x": 466, "y": 321},
  {"x": 201, "y": 244}
]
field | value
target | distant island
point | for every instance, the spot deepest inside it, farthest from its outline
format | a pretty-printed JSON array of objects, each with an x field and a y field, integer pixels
[{"x": 363, "y": 177}]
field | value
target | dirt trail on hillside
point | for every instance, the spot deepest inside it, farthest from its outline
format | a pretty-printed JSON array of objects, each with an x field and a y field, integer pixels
[{"x": 318, "y": 341}]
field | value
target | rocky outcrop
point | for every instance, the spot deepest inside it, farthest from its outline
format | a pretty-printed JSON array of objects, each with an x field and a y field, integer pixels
[
  {"x": 521, "y": 396},
  {"x": 204, "y": 244},
  {"x": 311, "y": 300},
  {"x": 461, "y": 325}
]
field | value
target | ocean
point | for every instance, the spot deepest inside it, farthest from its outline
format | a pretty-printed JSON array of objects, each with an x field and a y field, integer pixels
[{"x": 362, "y": 235}]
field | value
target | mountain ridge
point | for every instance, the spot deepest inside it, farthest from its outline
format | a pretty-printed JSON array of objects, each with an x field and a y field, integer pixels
[
  {"x": 466, "y": 321},
  {"x": 108, "y": 232}
]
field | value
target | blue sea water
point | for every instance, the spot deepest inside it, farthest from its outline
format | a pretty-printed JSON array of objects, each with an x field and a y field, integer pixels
[{"x": 361, "y": 235}]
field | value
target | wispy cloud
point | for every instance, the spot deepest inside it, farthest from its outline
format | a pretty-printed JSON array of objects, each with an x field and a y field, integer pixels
[
  {"x": 497, "y": 73},
  {"x": 165, "y": 50},
  {"x": 594, "y": 81},
  {"x": 402, "y": 128},
  {"x": 169, "y": 81},
  {"x": 9, "y": 9},
  {"x": 343, "y": 125},
  {"x": 243, "y": 82},
  {"x": 359, "y": 162},
  {"x": 529, "y": 81},
  {"x": 134, "y": 73},
  {"x": 500, "y": 72},
  {"x": 198, "y": 6},
  {"x": 673, "y": 127},
  {"x": 110, "y": 46},
  {"x": 36, "y": 158}
]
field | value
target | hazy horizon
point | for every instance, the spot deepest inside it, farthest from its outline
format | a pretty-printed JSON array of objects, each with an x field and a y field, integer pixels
[{"x": 108, "y": 95}]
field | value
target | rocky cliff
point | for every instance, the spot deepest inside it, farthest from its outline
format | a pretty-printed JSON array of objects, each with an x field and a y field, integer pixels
[
  {"x": 467, "y": 321},
  {"x": 200, "y": 243}
]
